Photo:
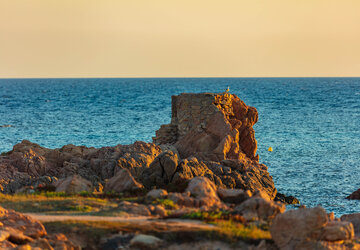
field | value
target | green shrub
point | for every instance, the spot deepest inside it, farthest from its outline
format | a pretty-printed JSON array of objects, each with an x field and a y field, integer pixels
[{"x": 168, "y": 204}]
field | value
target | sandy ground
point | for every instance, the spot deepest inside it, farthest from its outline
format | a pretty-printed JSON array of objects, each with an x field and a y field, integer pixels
[{"x": 140, "y": 220}]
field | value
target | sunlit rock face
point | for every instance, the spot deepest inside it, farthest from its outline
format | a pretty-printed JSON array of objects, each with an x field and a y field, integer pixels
[
  {"x": 214, "y": 137},
  {"x": 210, "y": 127}
]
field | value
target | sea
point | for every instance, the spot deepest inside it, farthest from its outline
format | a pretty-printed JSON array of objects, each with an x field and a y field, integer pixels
[{"x": 312, "y": 124}]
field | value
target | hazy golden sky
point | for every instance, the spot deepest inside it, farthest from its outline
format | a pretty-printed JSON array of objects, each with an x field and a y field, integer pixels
[{"x": 166, "y": 38}]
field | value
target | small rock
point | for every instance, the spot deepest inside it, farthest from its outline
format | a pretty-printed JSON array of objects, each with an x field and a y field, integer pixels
[
  {"x": 233, "y": 195},
  {"x": 338, "y": 230},
  {"x": 257, "y": 208},
  {"x": 73, "y": 184},
  {"x": 4, "y": 235},
  {"x": 291, "y": 200},
  {"x": 155, "y": 194},
  {"x": 354, "y": 219},
  {"x": 144, "y": 241},
  {"x": 160, "y": 210}
]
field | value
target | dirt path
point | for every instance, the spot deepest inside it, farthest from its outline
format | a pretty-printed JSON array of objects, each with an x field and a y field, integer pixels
[
  {"x": 138, "y": 220},
  {"x": 49, "y": 218}
]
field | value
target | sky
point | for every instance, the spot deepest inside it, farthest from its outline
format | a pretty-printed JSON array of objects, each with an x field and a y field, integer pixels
[{"x": 187, "y": 38}]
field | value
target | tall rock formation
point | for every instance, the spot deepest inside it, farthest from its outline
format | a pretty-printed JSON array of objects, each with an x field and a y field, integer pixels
[{"x": 211, "y": 127}]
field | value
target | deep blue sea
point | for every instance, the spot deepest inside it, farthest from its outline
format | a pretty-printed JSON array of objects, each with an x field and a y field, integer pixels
[{"x": 312, "y": 124}]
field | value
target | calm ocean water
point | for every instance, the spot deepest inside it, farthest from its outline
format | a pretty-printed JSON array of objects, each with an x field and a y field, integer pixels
[{"x": 313, "y": 124}]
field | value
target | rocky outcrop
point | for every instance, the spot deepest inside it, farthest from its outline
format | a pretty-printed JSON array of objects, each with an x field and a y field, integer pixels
[
  {"x": 210, "y": 136},
  {"x": 210, "y": 126},
  {"x": 310, "y": 228},
  {"x": 355, "y": 195},
  {"x": 18, "y": 230},
  {"x": 29, "y": 164},
  {"x": 241, "y": 174},
  {"x": 214, "y": 136}
]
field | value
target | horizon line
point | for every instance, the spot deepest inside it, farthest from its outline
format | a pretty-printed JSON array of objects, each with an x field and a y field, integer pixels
[{"x": 174, "y": 77}]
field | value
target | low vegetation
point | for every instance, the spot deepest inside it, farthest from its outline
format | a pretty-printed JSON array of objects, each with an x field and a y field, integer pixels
[
  {"x": 168, "y": 204},
  {"x": 58, "y": 203}
]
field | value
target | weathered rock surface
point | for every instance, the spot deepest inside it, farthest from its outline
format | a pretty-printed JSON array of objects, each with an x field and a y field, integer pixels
[
  {"x": 241, "y": 174},
  {"x": 210, "y": 126},
  {"x": 122, "y": 181},
  {"x": 73, "y": 185},
  {"x": 204, "y": 190},
  {"x": 259, "y": 208},
  {"x": 156, "y": 194},
  {"x": 309, "y": 228},
  {"x": 22, "y": 231},
  {"x": 29, "y": 164},
  {"x": 233, "y": 195},
  {"x": 354, "y": 219}
]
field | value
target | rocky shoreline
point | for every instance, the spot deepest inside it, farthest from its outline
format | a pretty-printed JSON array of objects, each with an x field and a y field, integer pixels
[{"x": 203, "y": 161}]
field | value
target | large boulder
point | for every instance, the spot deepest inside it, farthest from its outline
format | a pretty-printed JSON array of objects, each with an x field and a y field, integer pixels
[
  {"x": 123, "y": 181},
  {"x": 354, "y": 219},
  {"x": 309, "y": 228},
  {"x": 259, "y": 208},
  {"x": 203, "y": 189},
  {"x": 73, "y": 184}
]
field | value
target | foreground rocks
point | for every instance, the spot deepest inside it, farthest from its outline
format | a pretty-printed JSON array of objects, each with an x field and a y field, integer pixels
[
  {"x": 354, "y": 219},
  {"x": 311, "y": 228},
  {"x": 18, "y": 230}
]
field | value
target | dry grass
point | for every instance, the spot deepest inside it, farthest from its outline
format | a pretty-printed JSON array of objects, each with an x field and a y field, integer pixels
[{"x": 55, "y": 204}]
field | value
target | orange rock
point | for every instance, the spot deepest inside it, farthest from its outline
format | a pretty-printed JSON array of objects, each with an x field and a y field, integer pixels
[{"x": 211, "y": 127}]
